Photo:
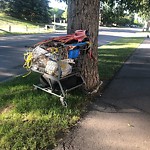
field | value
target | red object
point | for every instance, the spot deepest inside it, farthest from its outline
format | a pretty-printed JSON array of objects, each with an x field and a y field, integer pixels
[
  {"x": 78, "y": 36},
  {"x": 91, "y": 55}
]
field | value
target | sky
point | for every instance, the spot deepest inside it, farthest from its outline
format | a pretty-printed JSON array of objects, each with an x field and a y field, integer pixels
[{"x": 56, "y": 4}]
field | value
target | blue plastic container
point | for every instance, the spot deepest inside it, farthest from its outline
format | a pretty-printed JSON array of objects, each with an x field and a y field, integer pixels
[{"x": 73, "y": 53}]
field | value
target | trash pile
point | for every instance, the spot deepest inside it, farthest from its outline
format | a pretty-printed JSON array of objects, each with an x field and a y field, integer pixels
[
  {"x": 57, "y": 56},
  {"x": 57, "y": 60}
]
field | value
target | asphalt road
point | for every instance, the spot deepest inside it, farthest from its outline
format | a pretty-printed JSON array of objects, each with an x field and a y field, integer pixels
[{"x": 12, "y": 48}]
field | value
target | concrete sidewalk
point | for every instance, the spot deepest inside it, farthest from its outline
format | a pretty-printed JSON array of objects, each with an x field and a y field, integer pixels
[{"x": 120, "y": 118}]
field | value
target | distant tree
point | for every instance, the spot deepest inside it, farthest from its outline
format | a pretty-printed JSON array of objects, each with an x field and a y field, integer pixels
[
  {"x": 31, "y": 10},
  {"x": 144, "y": 11},
  {"x": 4, "y": 5},
  {"x": 132, "y": 6},
  {"x": 57, "y": 12},
  {"x": 64, "y": 15},
  {"x": 108, "y": 15},
  {"x": 115, "y": 11}
]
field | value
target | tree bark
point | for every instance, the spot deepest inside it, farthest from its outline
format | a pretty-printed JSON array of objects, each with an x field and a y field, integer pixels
[{"x": 84, "y": 15}]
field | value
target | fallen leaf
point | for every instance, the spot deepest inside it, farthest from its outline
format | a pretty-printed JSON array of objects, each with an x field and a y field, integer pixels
[{"x": 130, "y": 125}]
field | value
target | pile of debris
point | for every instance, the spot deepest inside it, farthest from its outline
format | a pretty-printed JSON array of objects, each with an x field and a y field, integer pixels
[
  {"x": 57, "y": 59},
  {"x": 56, "y": 56}
]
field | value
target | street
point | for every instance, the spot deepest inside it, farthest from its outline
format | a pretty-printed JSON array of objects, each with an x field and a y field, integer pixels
[{"x": 12, "y": 48}]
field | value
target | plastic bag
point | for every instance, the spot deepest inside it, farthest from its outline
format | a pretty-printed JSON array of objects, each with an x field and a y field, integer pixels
[
  {"x": 38, "y": 51},
  {"x": 65, "y": 68},
  {"x": 51, "y": 67}
]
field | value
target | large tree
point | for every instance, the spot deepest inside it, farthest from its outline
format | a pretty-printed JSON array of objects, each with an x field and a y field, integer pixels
[{"x": 84, "y": 15}]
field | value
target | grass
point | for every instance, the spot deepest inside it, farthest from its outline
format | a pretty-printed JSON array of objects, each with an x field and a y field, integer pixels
[
  {"x": 14, "y": 21},
  {"x": 19, "y": 26},
  {"x": 31, "y": 119},
  {"x": 113, "y": 55}
]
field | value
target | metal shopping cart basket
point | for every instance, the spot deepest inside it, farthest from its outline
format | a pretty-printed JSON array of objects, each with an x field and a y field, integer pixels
[{"x": 58, "y": 61}]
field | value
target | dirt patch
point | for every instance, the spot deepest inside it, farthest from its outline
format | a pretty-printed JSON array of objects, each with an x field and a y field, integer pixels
[{"x": 6, "y": 109}]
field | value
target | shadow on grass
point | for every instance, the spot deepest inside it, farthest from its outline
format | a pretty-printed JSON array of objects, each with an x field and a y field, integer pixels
[
  {"x": 111, "y": 57},
  {"x": 20, "y": 91},
  {"x": 37, "y": 118}
]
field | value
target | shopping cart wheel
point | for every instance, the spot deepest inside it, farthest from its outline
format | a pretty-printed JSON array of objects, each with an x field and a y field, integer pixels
[{"x": 64, "y": 103}]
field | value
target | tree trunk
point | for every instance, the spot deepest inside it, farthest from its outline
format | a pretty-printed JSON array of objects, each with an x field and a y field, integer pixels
[{"x": 84, "y": 15}]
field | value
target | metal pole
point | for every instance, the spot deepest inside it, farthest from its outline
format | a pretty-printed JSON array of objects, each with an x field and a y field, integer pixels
[
  {"x": 9, "y": 28},
  {"x": 54, "y": 21}
]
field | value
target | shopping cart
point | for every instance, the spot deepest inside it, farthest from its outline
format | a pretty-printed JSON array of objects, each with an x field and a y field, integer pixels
[{"x": 59, "y": 64}]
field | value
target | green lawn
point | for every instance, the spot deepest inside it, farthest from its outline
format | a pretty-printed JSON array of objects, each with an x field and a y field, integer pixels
[
  {"x": 19, "y": 26},
  {"x": 5, "y": 19},
  {"x": 31, "y": 119},
  {"x": 113, "y": 55}
]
